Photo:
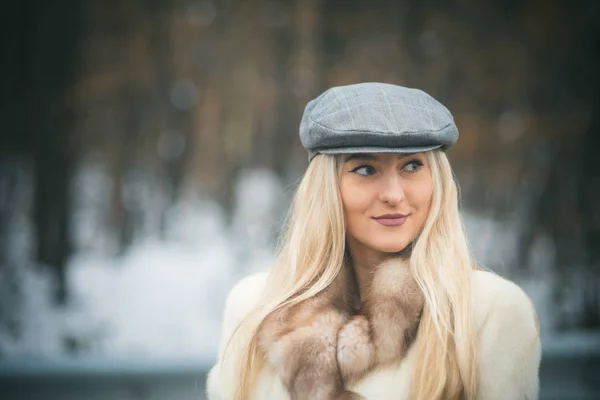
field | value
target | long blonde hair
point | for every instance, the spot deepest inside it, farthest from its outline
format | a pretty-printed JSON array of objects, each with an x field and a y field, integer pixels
[{"x": 312, "y": 252}]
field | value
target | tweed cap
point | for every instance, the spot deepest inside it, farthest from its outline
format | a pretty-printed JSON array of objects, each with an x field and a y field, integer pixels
[{"x": 375, "y": 118}]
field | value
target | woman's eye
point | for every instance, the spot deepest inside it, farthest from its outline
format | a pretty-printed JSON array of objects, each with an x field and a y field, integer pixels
[
  {"x": 364, "y": 170},
  {"x": 413, "y": 166}
]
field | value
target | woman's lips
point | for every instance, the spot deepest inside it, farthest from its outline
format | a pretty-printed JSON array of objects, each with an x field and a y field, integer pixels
[{"x": 392, "y": 220}]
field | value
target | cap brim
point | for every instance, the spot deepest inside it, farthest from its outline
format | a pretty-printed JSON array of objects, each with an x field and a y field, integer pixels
[{"x": 368, "y": 149}]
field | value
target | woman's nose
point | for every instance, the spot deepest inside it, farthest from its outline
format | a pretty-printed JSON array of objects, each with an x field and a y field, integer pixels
[{"x": 392, "y": 191}]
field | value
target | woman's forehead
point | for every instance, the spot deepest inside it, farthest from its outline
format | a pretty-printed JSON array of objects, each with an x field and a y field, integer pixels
[{"x": 378, "y": 156}]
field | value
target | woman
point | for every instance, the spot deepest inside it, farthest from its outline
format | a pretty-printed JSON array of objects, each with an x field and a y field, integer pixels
[{"x": 374, "y": 294}]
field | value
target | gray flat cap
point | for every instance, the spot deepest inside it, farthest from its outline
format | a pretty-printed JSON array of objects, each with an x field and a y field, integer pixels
[{"x": 375, "y": 118}]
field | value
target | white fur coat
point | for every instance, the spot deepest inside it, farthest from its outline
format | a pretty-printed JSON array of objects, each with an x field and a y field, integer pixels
[{"x": 505, "y": 321}]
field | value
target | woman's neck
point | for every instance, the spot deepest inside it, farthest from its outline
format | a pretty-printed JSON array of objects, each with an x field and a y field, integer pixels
[
  {"x": 364, "y": 269},
  {"x": 365, "y": 262}
]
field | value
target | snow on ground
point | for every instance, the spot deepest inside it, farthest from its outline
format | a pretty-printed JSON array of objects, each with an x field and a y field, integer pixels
[{"x": 164, "y": 297}]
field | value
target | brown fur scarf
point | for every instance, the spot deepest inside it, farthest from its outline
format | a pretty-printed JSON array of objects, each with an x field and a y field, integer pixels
[{"x": 321, "y": 345}]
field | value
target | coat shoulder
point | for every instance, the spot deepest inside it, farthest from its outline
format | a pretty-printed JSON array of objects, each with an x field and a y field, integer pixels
[
  {"x": 493, "y": 295},
  {"x": 242, "y": 298},
  {"x": 507, "y": 329}
]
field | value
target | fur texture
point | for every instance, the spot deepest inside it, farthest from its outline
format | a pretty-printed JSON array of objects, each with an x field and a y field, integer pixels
[
  {"x": 320, "y": 346},
  {"x": 509, "y": 348}
]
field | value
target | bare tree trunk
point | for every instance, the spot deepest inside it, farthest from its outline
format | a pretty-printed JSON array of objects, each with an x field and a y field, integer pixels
[
  {"x": 54, "y": 29},
  {"x": 590, "y": 212}
]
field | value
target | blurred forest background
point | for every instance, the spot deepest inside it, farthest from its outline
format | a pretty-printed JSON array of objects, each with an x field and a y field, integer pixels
[{"x": 124, "y": 121}]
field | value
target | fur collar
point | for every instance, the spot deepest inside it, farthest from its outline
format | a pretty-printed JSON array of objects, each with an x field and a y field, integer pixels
[{"x": 321, "y": 345}]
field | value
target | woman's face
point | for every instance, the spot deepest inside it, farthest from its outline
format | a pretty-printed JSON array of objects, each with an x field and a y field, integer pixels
[{"x": 386, "y": 199}]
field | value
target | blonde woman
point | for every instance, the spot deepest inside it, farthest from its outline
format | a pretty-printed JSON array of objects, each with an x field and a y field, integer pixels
[{"x": 374, "y": 294}]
